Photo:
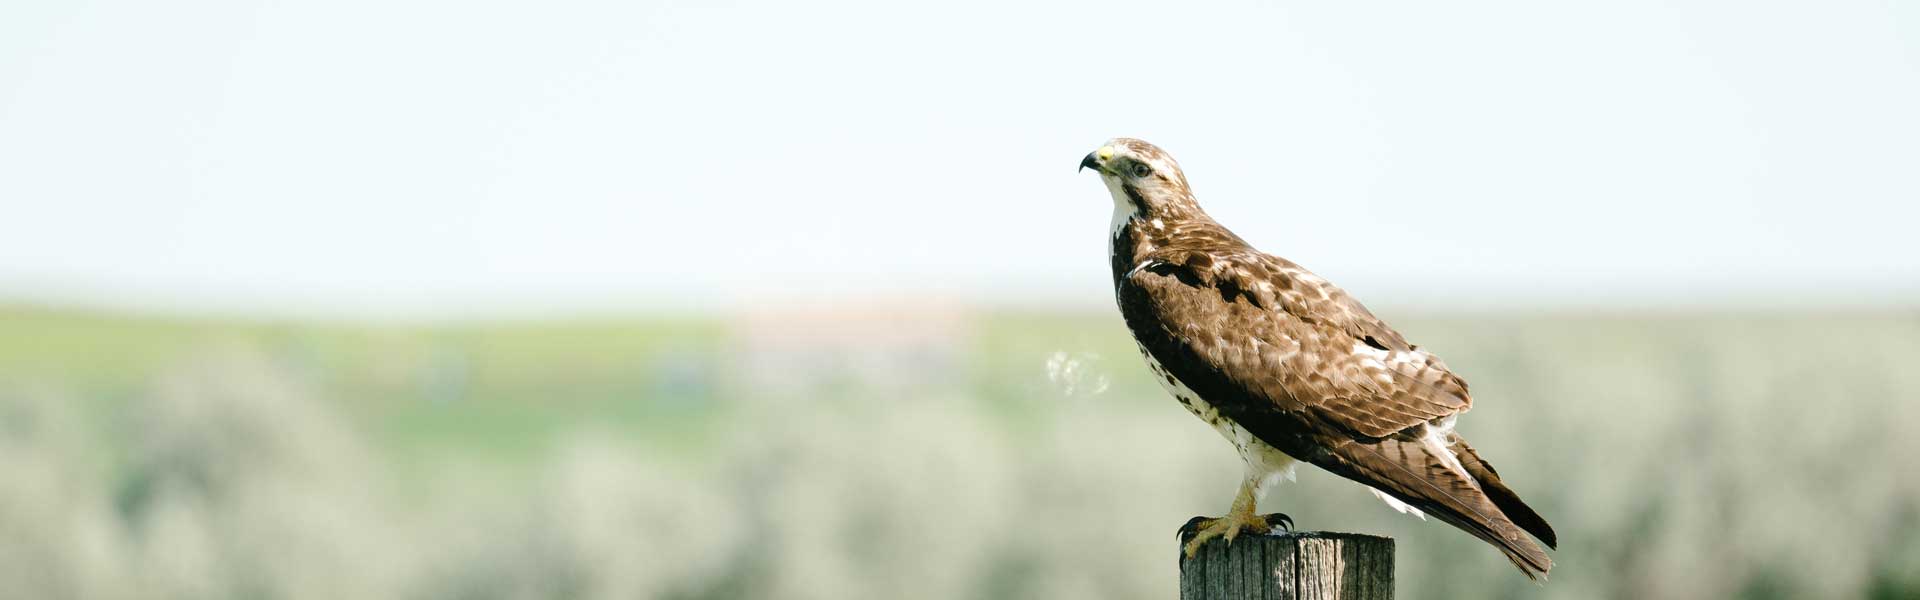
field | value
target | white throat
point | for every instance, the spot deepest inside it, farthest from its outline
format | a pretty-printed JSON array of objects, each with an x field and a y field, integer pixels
[{"x": 1123, "y": 207}]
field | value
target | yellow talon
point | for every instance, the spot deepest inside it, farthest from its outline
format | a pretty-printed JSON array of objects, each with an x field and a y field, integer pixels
[{"x": 1240, "y": 518}]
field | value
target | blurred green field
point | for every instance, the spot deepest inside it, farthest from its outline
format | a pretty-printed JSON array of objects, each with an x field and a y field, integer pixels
[{"x": 961, "y": 455}]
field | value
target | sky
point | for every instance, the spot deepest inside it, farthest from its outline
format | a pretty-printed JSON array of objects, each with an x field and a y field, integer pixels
[{"x": 439, "y": 157}]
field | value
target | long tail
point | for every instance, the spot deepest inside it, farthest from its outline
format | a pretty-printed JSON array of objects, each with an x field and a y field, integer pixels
[
  {"x": 1509, "y": 502},
  {"x": 1428, "y": 474}
]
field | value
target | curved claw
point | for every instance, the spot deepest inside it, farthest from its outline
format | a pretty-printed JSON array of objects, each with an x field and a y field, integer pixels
[
  {"x": 1185, "y": 534},
  {"x": 1209, "y": 527},
  {"x": 1276, "y": 519},
  {"x": 1192, "y": 528}
]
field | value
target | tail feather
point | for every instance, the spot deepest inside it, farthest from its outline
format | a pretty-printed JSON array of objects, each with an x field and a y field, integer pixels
[
  {"x": 1523, "y": 553},
  {"x": 1415, "y": 472},
  {"x": 1509, "y": 502}
]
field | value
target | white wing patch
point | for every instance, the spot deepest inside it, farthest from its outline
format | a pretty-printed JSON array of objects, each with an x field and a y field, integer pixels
[
  {"x": 1406, "y": 361},
  {"x": 1397, "y": 504},
  {"x": 1435, "y": 441},
  {"x": 1145, "y": 264}
]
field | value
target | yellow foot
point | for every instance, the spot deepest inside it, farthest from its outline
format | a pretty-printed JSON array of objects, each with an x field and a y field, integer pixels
[{"x": 1200, "y": 529}]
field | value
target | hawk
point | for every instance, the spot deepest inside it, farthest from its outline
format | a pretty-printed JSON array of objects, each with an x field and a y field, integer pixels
[{"x": 1290, "y": 368}]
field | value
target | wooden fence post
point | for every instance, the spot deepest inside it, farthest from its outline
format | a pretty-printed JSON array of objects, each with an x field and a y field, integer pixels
[{"x": 1310, "y": 565}]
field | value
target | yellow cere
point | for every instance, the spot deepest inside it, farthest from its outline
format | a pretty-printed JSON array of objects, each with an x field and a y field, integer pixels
[{"x": 1105, "y": 152}]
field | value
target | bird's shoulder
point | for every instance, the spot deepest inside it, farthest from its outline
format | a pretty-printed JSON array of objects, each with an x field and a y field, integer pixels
[{"x": 1221, "y": 262}]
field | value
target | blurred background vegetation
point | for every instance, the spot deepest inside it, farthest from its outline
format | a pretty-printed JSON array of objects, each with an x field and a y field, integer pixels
[
  {"x": 901, "y": 451},
  {"x": 681, "y": 300}
]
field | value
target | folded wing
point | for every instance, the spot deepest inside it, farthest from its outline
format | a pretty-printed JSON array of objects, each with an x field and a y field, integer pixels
[{"x": 1311, "y": 371}]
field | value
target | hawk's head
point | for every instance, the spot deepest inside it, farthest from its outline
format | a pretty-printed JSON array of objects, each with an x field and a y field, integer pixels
[{"x": 1144, "y": 179}]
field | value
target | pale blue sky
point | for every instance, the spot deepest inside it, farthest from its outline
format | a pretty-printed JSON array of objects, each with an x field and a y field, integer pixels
[{"x": 447, "y": 157}]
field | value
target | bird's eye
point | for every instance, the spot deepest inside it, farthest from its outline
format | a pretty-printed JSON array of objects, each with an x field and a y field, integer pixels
[{"x": 1142, "y": 170}]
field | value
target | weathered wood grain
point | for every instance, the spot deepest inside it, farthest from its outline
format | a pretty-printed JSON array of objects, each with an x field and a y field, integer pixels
[{"x": 1291, "y": 566}]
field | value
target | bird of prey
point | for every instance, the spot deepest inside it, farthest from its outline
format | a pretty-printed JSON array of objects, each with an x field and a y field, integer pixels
[{"x": 1290, "y": 368}]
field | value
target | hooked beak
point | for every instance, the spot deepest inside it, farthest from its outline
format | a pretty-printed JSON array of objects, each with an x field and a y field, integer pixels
[{"x": 1090, "y": 162}]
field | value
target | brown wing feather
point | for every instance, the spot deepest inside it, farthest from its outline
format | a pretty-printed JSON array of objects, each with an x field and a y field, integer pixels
[
  {"x": 1287, "y": 286},
  {"x": 1290, "y": 336}
]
